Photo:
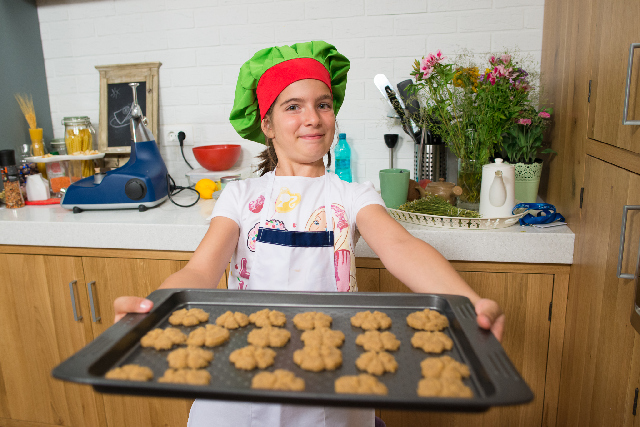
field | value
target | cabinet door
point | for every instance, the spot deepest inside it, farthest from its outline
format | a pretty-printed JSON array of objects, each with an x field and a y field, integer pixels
[
  {"x": 614, "y": 30},
  {"x": 37, "y": 332},
  {"x": 596, "y": 385},
  {"x": 525, "y": 299},
  {"x": 115, "y": 277}
]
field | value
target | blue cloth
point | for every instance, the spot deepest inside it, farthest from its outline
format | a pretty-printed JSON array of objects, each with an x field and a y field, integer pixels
[{"x": 546, "y": 213}]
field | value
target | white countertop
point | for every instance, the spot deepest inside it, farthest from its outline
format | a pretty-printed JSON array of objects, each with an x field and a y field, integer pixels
[{"x": 169, "y": 227}]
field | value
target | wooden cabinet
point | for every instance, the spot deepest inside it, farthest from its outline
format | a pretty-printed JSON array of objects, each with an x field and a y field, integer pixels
[
  {"x": 533, "y": 298},
  {"x": 39, "y": 291}
]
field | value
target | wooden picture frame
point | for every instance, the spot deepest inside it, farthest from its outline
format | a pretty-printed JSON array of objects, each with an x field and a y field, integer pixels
[{"x": 114, "y": 124}]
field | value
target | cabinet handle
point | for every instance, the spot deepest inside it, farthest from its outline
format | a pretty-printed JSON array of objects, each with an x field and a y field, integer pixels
[
  {"x": 628, "y": 88},
  {"x": 91, "y": 302},
  {"x": 623, "y": 231},
  {"x": 73, "y": 301}
]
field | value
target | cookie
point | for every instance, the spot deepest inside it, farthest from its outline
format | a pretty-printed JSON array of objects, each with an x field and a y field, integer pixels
[
  {"x": 189, "y": 357},
  {"x": 267, "y": 317},
  {"x": 444, "y": 367},
  {"x": 269, "y": 337},
  {"x": 231, "y": 320},
  {"x": 360, "y": 384},
  {"x": 440, "y": 387},
  {"x": 431, "y": 342},
  {"x": 130, "y": 373},
  {"x": 186, "y": 317},
  {"x": 320, "y": 336},
  {"x": 208, "y": 335},
  {"x": 186, "y": 376},
  {"x": 250, "y": 357},
  {"x": 312, "y": 320},
  {"x": 369, "y": 320},
  {"x": 427, "y": 320},
  {"x": 378, "y": 341},
  {"x": 318, "y": 358},
  {"x": 163, "y": 339},
  {"x": 279, "y": 379},
  {"x": 376, "y": 363}
]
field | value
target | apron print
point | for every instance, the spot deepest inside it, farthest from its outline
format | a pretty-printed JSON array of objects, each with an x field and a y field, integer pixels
[
  {"x": 342, "y": 244},
  {"x": 253, "y": 233},
  {"x": 287, "y": 201}
]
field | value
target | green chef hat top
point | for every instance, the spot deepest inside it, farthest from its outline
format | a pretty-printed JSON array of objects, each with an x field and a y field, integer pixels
[{"x": 271, "y": 70}]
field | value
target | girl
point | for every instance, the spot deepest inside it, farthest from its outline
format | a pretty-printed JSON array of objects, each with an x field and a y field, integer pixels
[{"x": 276, "y": 229}]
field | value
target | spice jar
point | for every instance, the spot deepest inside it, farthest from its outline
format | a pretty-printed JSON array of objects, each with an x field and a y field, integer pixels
[
  {"x": 78, "y": 137},
  {"x": 59, "y": 145},
  {"x": 12, "y": 193}
]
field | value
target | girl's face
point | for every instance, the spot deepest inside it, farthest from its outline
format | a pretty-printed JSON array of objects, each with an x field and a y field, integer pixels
[{"x": 302, "y": 123}]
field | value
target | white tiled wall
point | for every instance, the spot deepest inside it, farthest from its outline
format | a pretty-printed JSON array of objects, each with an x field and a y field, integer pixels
[{"x": 202, "y": 43}]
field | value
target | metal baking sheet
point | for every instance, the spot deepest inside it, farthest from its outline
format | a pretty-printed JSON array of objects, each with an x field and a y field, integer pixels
[{"x": 494, "y": 380}]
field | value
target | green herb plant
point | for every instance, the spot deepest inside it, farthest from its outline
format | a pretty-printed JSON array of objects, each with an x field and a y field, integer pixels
[{"x": 431, "y": 204}]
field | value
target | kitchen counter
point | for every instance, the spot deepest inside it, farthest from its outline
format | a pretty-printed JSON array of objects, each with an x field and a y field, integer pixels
[{"x": 169, "y": 227}]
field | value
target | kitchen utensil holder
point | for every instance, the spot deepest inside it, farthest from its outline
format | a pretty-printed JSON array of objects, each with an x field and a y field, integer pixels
[{"x": 432, "y": 158}]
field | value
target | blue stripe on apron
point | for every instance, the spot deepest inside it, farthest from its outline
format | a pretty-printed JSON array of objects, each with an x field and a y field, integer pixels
[{"x": 296, "y": 239}]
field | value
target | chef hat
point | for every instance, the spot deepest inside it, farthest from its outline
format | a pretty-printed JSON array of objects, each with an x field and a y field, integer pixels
[{"x": 271, "y": 70}]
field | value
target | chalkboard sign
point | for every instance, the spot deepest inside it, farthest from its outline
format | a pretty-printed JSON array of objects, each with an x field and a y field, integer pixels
[
  {"x": 119, "y": 112},
  {"x": 116, "y": 97}
]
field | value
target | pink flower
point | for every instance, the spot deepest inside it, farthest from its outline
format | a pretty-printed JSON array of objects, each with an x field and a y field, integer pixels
[
  {"x": 506, "y": 58},
  {"x": 524, "y": 121},
  {"x": 544, "y": 114},
  {"x": 492, "y": 60}
]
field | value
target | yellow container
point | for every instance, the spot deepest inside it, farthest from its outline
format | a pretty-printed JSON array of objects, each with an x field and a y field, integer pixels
[
  {"x": 79, "y": 137},
  {"x": 37, "y": 148}
]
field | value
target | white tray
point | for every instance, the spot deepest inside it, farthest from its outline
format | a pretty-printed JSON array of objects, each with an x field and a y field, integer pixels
[
  {"x": 456, "y": 222},
  {"x": 59, "y": 158}
]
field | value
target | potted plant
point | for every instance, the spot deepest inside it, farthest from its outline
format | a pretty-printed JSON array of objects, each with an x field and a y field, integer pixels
[
  {"x": 522, "y": 144},
  {"x": 469, "y": 109}
]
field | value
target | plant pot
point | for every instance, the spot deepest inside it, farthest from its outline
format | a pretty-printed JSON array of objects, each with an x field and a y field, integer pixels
[
  {"x": 527, "y": 181},
  {"x": 470, "y": 180}
]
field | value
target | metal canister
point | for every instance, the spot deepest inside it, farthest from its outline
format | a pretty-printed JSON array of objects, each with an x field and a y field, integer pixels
[{"x": 227, "y": 179}]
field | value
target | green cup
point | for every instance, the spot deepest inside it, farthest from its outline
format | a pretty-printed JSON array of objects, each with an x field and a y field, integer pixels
[{"x": 394, "y": 186}]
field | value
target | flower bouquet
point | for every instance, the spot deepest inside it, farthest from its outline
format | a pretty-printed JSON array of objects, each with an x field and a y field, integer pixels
[{"x": 469, "y": 109}]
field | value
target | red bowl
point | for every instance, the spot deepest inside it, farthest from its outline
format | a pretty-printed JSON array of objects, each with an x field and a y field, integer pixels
[{"x": 217, "y": 157}]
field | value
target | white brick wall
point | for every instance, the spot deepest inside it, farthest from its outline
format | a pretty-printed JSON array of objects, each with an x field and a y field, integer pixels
[{"x": 203, "y": 43}]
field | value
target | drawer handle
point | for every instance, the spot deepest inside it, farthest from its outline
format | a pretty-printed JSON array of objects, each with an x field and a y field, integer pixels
[
  {"x": 623, "y": 231},
  {"x": 91, "y": 302},
  {"x": 628, "y": 88},
  {"x": 73, "y": 301}
]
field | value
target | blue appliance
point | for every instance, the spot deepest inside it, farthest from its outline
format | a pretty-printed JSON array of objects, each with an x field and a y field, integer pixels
[{"x": 141, "y": 183}]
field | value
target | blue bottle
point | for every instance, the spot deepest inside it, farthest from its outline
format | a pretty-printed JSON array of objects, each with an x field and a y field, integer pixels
[{"x": 342, "y": 154}]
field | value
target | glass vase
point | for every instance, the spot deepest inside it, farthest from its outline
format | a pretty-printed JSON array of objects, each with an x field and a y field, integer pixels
[{"x": 470, "y": 180}]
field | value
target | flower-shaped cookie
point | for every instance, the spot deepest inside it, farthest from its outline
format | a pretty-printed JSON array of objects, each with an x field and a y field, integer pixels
[
  {"x": 186, "y": 376},
  {"x": 444, "y": 367},
  {"x": 376, "y": 363},
  {"x": 311, "y": 320},
  {"x": 443, "y": 387},
  {"x": 378, "y": 341},
  {"x": 267, "y": 317},
  {"x": 318, "y": 358},
  {"x": 320, "y": 336},
  {"x": 427, "y": 320},
  {"x": 130, "y": 373},
  {"x": 269, "y": 337},
  {"x": 360, "y": 384},
  {"x": 231, "y": 320},
  {"x": 189, "y": 357},
  {"x": 369, "y": 320},
  {"x": 250, "y": 357},
  {"x": 188, "y": 317},
  {"x": 163, "y": 339},
  {"x": 208, "y": 335},
  {"x": 432, "y": 342},
  {"x": 279, "y": 379}
]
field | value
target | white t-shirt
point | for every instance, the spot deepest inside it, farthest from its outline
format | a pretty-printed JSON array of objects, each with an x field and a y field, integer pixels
[{"x": 297, "y": 205}]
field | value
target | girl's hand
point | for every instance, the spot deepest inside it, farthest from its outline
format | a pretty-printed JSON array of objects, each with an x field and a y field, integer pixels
[
  {"x": 124, "y": 305},
  {"x": 490, "y": 316}
]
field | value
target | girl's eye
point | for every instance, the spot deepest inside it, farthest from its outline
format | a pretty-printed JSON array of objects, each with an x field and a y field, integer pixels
[
  {"x": 291, "y": 107},
  {"x": 325, "y": 105}
]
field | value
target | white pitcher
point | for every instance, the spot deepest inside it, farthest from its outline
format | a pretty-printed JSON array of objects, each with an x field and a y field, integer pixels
[
  {"x": 37, "y": 188},
  {"x": 497, "y": 190}
]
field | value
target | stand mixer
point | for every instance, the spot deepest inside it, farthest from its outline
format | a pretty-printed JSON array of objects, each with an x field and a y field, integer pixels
[{"x": 141, "y": 183}]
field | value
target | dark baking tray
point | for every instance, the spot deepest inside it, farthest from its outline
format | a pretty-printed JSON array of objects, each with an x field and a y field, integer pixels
[{"x": 494, "y": 380}]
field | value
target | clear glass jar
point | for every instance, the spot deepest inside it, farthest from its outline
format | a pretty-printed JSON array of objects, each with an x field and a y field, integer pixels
[
  {"x": 79, "y": 137},
  {"x": 59, "y": 145}
]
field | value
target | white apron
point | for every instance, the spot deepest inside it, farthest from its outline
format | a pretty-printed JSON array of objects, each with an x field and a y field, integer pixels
[{"x": 286, "y": 261}]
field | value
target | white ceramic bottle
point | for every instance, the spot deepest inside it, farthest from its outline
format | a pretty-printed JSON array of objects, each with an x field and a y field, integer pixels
[
  {"x": 37, "y": 188},
  {"x": 497, "y": 190}
]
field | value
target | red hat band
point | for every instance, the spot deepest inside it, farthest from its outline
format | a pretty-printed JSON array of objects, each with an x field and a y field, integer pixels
[{"x": 281, "y": 75}]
